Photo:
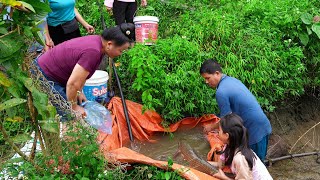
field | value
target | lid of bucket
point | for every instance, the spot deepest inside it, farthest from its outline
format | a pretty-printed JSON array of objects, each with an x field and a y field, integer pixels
[
  {"x": 98, "y": 76},
  {"x": 145, "y": 18}
]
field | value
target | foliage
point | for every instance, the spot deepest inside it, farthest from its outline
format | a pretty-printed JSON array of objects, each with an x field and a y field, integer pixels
[
  {"x": 81, "y": 159},
  {"x": 92, "y": 10},
  {"x": 165, "y": 77},
  {"x": 257, "y": 43},
  {"x": 15, "y": 36},
  {"x": 312, "y": 26}
]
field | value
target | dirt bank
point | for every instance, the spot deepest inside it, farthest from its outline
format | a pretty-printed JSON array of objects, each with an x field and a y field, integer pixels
[{"x": 290, "y": 121}]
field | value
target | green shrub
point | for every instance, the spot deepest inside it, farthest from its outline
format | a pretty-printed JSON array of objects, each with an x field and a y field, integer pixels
[
  {"x": 165, "y": 77},
  {"x": 255, "y": 41}
]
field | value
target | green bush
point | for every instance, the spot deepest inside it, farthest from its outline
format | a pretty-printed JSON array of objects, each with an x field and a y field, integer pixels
[
  {"x": 257, "y": 42},
  {"x": 165, "y": 77}
]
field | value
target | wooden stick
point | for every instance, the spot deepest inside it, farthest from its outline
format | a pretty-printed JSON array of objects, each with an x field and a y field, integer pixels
[
  {"x": 303, "y": 136},
  {"x": 291, "y": 156}
]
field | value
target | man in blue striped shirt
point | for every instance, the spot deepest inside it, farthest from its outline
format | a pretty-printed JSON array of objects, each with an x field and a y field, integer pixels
[{"x": 233, "y": 96}]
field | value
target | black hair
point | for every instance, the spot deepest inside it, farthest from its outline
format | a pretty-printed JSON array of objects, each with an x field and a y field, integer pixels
[
  {"x": 210, "y": 66},
  {"x": 120, "y": 34},
  {"x": 238, "y": 139}
]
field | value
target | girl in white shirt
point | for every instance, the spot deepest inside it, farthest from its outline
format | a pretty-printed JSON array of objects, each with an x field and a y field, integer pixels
[{"x": 243, "y": 161}]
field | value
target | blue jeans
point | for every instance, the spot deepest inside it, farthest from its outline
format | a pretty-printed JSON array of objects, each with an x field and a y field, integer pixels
[
  {"x": 65, "y": 116},
  {"x": 261, "y": 148}
]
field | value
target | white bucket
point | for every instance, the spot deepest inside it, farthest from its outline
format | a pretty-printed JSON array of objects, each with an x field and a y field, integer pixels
[
  {"x": 146, "y": 29},
  {"x": 96, "y": 87}
]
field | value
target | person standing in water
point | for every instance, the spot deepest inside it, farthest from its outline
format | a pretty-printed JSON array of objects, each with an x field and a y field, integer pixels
[{"x": 234, "y": 97}]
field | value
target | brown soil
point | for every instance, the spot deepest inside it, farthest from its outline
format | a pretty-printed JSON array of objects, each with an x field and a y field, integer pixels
[{"x": 290, "y": 122}]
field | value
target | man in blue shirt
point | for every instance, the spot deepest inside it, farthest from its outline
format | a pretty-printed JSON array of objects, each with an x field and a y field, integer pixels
[{"x": 233, "y": 96}]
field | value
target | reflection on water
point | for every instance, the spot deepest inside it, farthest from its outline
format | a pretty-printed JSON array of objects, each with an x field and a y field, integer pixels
[{"x": 166, "y": 145}]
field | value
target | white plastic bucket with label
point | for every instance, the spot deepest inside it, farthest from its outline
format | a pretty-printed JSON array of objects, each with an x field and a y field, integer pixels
[
  {"x": 146, "y": 29},
  {"x": 96, "y": 88}
]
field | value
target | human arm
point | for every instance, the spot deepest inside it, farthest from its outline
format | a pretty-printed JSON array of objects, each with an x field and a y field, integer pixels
[
  {"x": 48, "y": 41},
  {"x": 221, "y": 175},
  {"x": 74, "y": 85},
  {"x": 217, "y": 164},
  {"x": 143, "y": 3},
  {"x": 223, "y": 103},
  {"x": 208, "y": 127},
  {"x": 109, "y": 5},
  {"x": 88, "y": 27}
]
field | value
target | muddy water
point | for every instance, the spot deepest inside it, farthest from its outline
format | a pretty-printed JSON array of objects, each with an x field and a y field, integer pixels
[{"x": 167, "y": 145}]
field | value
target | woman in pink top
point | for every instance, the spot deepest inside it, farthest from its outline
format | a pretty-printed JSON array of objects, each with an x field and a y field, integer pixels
[
  {"x": 69, "y": 64},
  {"x": 123, "y": 10},
  {"x": 243, "y": 161}
]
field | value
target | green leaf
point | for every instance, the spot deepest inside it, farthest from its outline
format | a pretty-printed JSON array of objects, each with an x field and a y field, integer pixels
[
  {"x": 27, "y": 31},
  {"x": 4, "y": 80},
  {"x": 10, "y": 44},
  {"x": 28, "y": 6},
  {"x": 15, "y": 119},
  {"x": 306, "y": 18},
  {"x": 316, "y": 28},
  {"x": 304, "y": 38},
  {"x": 40, "y": 6},
  {"x": 50, "y": 126},
  {"x": 167, "y": 175},
  {"x": 3, "y": 30},
  {"x": 11, "y": 103},
  {"x": 38, "y": 36},
  {"x": 309, "y": 31},
  {"x": 21, "y": 138}
]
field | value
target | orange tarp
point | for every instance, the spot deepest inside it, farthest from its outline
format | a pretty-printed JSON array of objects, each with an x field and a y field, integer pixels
[{"x": 143, "y": 127}]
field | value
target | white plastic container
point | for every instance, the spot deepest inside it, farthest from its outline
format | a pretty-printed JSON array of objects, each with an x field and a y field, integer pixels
[{"x": 97, "y": 86}]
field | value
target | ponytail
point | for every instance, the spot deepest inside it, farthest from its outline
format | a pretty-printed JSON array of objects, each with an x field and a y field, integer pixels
[{"x": 120, "y": 34}]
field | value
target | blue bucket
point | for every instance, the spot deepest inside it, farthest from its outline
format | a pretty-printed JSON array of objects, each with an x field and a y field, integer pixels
[{"x": 95, "y": 88}]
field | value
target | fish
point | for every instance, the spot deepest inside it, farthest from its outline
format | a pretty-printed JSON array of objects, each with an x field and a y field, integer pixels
[{"x": 193, "y": 159}]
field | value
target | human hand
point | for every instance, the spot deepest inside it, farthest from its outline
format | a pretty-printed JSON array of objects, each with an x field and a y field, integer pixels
[
  {"x": 210, "y": 127},
  {"x": 81, "y": 97},
  {"x": 143, "y": 3},
  {"x": 48, "y": 44},
  {"x": 79, "y": 111},
  {"x": 109, "y": 10},
  {"x": 221, "y": 175},
  {"x": 89, "y": 28}
]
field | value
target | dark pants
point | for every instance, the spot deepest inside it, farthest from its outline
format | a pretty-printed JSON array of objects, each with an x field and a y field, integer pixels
[
  {"x": 57, "y": 34},
  {"x": 123, "y": 12},
  {"x": 261, "y": 148},
  {"x": 65, "y": 116}
]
